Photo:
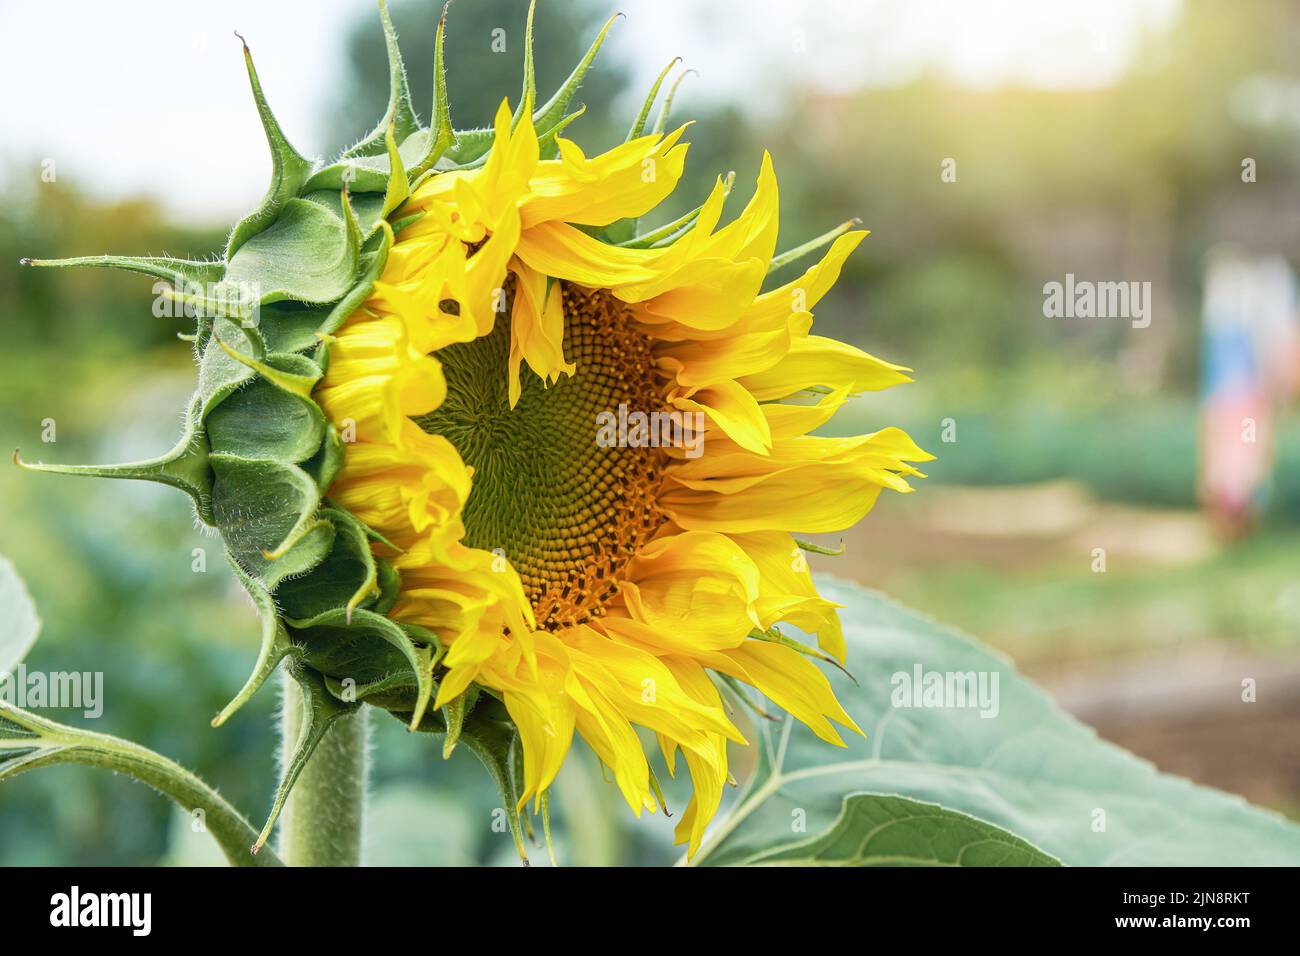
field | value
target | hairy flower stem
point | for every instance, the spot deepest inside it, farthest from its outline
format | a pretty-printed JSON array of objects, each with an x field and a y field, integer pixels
[{"x": 323, "y": 819}]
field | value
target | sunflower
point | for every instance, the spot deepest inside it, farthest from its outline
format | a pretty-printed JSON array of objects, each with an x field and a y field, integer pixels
[
  {"x": 554, "y": 462},
  {"x": 596, "y": 588}
]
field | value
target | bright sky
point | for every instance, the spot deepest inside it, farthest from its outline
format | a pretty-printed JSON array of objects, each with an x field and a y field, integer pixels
[{"x": 149, "y": 96}]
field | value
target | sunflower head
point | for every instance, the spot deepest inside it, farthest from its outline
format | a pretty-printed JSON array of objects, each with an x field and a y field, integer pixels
[{"x": 491, "y": 456}]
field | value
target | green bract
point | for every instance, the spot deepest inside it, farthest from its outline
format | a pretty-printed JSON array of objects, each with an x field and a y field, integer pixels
[{"x": 258, "y": 455}]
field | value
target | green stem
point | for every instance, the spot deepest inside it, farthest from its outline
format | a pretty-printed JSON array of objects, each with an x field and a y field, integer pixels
[
  {"x": 28, "y": 742},
  {"x": 322, "y": 820}
]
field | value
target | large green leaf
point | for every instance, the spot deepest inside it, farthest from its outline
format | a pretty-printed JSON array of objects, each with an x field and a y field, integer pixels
[
  {"x": 19, "y": 624},
  {"x": 875, "y": 830},
  {"x": 1029, "y": 768}
]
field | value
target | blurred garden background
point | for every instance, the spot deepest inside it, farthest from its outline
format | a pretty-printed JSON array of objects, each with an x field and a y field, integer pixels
[{"x": 990, "y": 148}]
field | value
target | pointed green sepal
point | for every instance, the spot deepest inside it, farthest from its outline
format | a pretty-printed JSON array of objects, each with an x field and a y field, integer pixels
[
  {"x": 453, "y": 713},
  {"x": 661, "y": 124},
  {"x": 667, "y": 234},
  {"x": 356, "y": 235},
  {"x": 546, "y": 827},
  {"x": 400, "y": 224},
  {"x": 471, "y": 146},
  {"x": 741, "y": 693},
  {"x": 319, "y": 711},
  {"x": 638, "y": 127},
  {"x": 400, "y": 114},
  {"x": 819, "y": 549},
  {"x": 546, "y": 140},
  {"x": 399, "y": 187},
  {"x": 528, "y": 98},
  {"x": 179, "y": 272},
  {"x": 441, "y": 134},
  {"x": 428, "y": 658},
  {"x": 554, "y": 109},
  {"x": 812, "y": 245},
  {"x": 275, "y": 645},
  {"x": 184, "y": 467},
  {"x": 658, "y": 791},
  {"x": 289, "y": 169},
  {"x": 493, "y": 742},
  {"x": 294, "y": 383},
  {"x": 774, "y": 636}
]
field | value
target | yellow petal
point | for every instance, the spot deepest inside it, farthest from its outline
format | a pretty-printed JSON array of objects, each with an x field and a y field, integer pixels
[
  {"x": 787, "y": 592},
  {"x": 559, "y": 250},
  {"x": 772, "y": 309},
  {"x": 627, "y": 181},
  {"x": 698, "y": 585},
  {"x": 733, "y": 410},
  {"x": 815, "y": 360},
  {"x": 793, "y": 682},
  {"x": 699, "y": 362},
  {"x": 536, "y": 328}
]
